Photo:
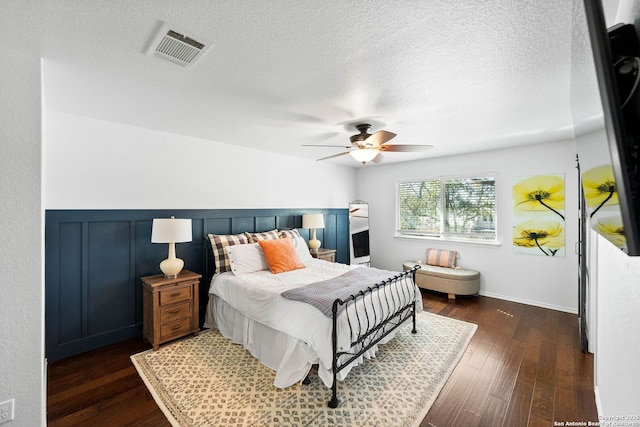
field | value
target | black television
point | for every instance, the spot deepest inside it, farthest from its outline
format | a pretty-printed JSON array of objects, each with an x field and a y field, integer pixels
[
  {"x": 612, "y": 185},
  {"x": 360, "y": 241}
]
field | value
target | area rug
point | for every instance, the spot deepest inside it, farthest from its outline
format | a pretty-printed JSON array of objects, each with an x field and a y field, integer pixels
[{"x": 208, "y": 381}]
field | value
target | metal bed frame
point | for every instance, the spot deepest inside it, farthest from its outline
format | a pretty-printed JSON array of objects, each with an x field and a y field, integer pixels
[{"x": 367, "y": 329}]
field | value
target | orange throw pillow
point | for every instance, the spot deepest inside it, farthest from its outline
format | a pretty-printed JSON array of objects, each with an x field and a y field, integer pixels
[{"x": 281, "y": 255}]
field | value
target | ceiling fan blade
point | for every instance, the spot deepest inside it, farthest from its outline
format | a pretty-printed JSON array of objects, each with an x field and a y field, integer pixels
[
  {"x": 404, "y": 148},
  {"x": 335, "y": 155},
  {"x": 379, "y": 138}
]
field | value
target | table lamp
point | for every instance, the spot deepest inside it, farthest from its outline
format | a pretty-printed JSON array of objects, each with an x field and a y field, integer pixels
[
  {"x": 313, "y": 221},
  {"x": 171, "y": 230}
]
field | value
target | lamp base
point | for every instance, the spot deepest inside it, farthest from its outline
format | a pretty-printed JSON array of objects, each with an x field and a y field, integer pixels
[
  {"x": 314, "y": 244},
  {"x": 171, "y": 267}
]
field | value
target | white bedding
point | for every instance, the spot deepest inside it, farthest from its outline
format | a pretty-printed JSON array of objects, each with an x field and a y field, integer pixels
[{"x": 288, "y": 336}]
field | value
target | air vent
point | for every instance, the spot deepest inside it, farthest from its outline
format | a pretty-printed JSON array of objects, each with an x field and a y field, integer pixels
[{"x": 175, "y": 47}]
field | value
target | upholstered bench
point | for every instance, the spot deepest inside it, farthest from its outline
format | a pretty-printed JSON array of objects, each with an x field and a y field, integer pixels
[{"x": 445, "y": 276}]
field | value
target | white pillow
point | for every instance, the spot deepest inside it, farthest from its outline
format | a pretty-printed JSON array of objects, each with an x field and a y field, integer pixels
[
  {"x": 245, "y": 259},
  {"x": 302, "y": 249}
]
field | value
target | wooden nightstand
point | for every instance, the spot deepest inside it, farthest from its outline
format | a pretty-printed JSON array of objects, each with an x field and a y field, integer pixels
[
  {"x": 170, "y": 307},
  {"x": 324, "y": 254}
]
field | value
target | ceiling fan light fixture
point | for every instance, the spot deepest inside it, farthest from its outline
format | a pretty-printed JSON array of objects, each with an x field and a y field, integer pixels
[{"x": 364, "y": 155}]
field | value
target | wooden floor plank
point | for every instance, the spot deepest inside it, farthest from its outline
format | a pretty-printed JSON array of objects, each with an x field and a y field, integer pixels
[
  {"x": 494, "y": 412},
  {"x": 503, "y": 385},
  {"x": 584, "y": 384},
  {"x": 479, "y": 354},
  {"x": 449, "y": 404},
  {"x": 542, "y": 405},
  {"x": 473, "y": 406},
  {"x": 522, "y": 396}
]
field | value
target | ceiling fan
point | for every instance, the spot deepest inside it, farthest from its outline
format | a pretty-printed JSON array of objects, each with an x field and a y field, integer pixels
[{"x": 366, "y": 147}]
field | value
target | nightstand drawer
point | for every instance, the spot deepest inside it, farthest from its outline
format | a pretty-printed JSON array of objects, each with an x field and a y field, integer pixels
[
  {"x": 175, "y": 329},
  {"x": 169, "y": 296},
  {"x": 174, "y": 312}
]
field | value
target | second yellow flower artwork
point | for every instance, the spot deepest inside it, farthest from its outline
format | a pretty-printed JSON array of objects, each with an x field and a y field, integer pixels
[
  {"x": 601, "y": 197},
  {"x": 538, "y": 215}
]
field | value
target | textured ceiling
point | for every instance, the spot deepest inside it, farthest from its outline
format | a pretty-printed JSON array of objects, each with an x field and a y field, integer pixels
[{"x": 460, "y": 75}]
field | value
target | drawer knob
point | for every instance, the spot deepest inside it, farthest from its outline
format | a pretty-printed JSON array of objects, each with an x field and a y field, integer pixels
[
  {"x": 175, "y": 294},
  {"x": 175, "y": 327},
  {"x": 174, "y": 311}
]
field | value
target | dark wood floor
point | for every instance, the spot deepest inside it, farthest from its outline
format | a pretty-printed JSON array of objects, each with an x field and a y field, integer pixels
[{"x": 523, "y": 367}]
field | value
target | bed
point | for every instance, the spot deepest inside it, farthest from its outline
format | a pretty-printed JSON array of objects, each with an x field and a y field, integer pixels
[{"x": 264, "y": 299}]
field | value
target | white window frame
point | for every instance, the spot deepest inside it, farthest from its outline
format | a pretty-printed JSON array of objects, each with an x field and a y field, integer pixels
[{"x": 480, "y": 238}]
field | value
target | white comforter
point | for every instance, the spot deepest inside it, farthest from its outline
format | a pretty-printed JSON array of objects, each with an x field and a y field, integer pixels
[{"x": 257, "y": 296}]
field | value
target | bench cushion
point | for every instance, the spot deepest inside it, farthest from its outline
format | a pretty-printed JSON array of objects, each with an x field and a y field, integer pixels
[{"x": 447, "y": 273}]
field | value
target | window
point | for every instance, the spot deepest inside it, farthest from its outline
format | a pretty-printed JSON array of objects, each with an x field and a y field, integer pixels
[{"x": 448, "y": 207}]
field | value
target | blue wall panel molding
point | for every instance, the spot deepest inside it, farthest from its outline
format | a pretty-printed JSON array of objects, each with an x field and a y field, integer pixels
[{"x": 94, "y": 260}]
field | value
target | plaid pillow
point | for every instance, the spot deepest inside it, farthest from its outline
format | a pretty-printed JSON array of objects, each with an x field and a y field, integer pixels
[
  {"x": 218, "y": 243},
  {"x": 293, "y": 233},
  {"x": 266, "y": 235},
  {"x": 441, "y": 258}
]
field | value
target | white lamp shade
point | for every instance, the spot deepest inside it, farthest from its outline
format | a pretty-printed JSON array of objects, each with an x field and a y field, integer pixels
[
  {"x": 364, "y": 155},
  {"x": 171, "y": 230},
  {"x": 313, "y": 221}
]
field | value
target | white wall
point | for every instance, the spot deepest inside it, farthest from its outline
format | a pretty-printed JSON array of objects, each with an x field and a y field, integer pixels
[
  {"x": 617, "y": 372},
  {"x": 538, "y": 280},
  {"x": 95, "y": 164},
  {"x": 21, "y": 250}
]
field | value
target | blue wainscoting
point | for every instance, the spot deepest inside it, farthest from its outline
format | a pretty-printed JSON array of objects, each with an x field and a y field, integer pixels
[{"x": 94, "y": 260}]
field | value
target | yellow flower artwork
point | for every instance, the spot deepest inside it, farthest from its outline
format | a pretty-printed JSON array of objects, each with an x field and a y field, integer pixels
[
  {"x": 546, "y": 235},
  {"x": 538, "y": 209},
  {"x": 612, "y": 229},
  {"x": 539, "y": 193},
  {"x": 601, "y": 197},
  {"x": 599, "y": 186}
]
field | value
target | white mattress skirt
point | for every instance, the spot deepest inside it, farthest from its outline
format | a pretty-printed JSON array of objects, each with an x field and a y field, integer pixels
[{"x": 289, "y": 357}]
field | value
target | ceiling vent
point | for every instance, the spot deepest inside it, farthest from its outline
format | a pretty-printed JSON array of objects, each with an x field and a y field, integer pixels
[{"x": 175, "y": 47}]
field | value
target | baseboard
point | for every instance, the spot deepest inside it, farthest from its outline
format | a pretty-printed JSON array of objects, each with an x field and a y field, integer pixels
[
  {"x": 597, "y": 396},
  {"x": 529, "y": 302}
]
